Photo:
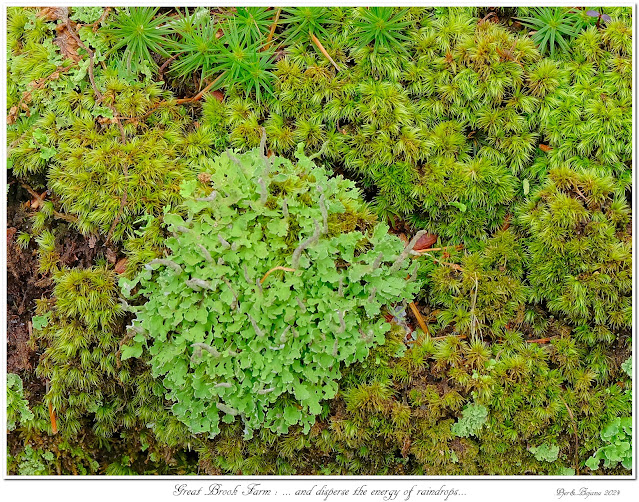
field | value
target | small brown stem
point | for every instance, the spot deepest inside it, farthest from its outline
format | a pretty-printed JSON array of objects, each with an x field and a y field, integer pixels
[
  {"x": 451, "y": 265},
  {"x": 473, "y": 326},
  {"x": 574, "y": 427},
  {"x": 118, "y": 217},
  {"x": 66, "y": 217},
  {"x": 165, "y": 64},
  {"x": 461, "y": 337},
  {"x": 104, "y": 15},
  {"x": 580, "y": 193},
  {"x": 199, "y": 95},
  {"x": 181, "y": 101},
  {"x": 286, "y": 269},
  {"x": 420, "y": 319},
  {"x": 39, "y": 198},
  {"x": 91, "y": 54},
  {"x": 96, "y": 91},
  {"x": 40, "y": 201}
]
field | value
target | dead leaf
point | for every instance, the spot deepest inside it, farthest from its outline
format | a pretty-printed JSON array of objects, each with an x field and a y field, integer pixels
[
  {"x": 204, "y": 178},
  {"x": 426, "y": 241},
  {"x": 92, "y": 240},
  {"x": 111, "y": 256},
  {"x": 219, "y": 95},
  {"x": 544, "y": 148},
  {"x": 54, "y": 13},
  {"x": 120, "y": 266},
  {"x": 11, "y": 231},
  {"x": 506, "y": 224},
  {"x": 13, "y": 115},
  {"x": 68, "y": 45}
]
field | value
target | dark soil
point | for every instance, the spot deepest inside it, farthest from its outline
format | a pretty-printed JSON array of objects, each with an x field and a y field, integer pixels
[{"x": 24, "y": 285}]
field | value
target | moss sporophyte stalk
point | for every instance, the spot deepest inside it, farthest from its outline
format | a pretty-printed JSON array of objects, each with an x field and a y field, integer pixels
[{"x": 262, "y": 298}]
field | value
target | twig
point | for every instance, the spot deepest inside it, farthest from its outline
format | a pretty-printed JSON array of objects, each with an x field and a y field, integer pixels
[
  {"x": 580, "y": 193},
  {"x": 286, "y": 269},
  {"x": 165, "y": 64},
  {"x": 39, "y": 198},
  {"x": 104, "y": 15}
]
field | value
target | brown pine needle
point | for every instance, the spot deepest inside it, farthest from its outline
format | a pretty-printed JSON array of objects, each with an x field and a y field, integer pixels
[
  {"x": 539, "y": 340},
  {"x": 272, "y": 30},
  {"x": 321, "y": 48},
  {"x": 420, "y": 319},
  {"x": 286, "y": 269},
  {"x": 54, "y": 425}
]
